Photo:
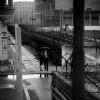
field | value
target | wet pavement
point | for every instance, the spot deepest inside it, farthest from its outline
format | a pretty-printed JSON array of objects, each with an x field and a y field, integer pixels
[
  {"x": 35, "y": 87},
  {"x": 38, "y": 88},
  {"x": 8, "y": 89},
  {"x": 30, "y": 61},
  {"x": 41, "y": 87}
]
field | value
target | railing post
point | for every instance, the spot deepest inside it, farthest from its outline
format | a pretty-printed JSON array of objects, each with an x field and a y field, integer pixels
[{"x": 66, "y": 68}]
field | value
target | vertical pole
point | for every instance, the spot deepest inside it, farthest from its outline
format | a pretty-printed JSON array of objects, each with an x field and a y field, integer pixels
[
  {"x": 99, "y": 19},
  {"x": 41, "y": 19},
  {"x": 26, "y": 16},
  {"x": 72, "y": 18},
  {"x": 2, "y": 4},
  {"x": 56, "y": 60},
  {"x": 10, "y": 2},
  {"x": 50, "y": 13},
  {"x": 21, "y": 12},
  {"x": 90, "y": 19},
  {"x": 66, "y": 67},
  {"x": 78, "y": 51},
  {"x": 32, "y": 16},
  {"x": 18, "y": 62},
  {"x": 44, "y": 22},
  {"x": 61, "y": 19}
]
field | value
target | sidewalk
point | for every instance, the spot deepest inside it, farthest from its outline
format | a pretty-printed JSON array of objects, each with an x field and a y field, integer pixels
[
  {"x": 39, "y": 88},
  {"x": 30, "y": 60},
  {"x": 35, "y": 88},
  {"x": 8, "y": 90},
  {"x": 10, "y": 94}
]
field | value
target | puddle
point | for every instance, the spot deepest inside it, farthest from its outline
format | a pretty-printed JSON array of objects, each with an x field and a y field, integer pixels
[
  {"x": 13, "y": 77},
  {"x": 7, "y": 86}
]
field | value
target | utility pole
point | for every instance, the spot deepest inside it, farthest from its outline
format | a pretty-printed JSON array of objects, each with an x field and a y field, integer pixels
[
  {"x": 41, "y": 19},
  {"x": 61, "y": 19},
  {"x": 90, "y": 18},
  {"x": 78, "y": 51},
  {"x": 72, "y": 18},
  {"x": 32, "y": 16},
  {"x": 21, "y": 14},
  {"x": 50, "y": 13},
  {"x": 18, "y": 62}
]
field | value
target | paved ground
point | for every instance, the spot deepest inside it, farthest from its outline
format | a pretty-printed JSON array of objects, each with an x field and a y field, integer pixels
[
  {"x": 35, "y": 88},
  {"x": 40, "y": 87},
  {"x": 30, "y": 61},
  {"x": 8, "y": 90}
]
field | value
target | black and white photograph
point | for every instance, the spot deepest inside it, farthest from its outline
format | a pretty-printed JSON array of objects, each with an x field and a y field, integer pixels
[{"x": 49, "y": 49}]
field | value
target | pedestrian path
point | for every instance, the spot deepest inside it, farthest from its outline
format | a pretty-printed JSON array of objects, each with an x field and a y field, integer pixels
[
  {"x": 8, "y": 91},
  {"x": 7, "y": 86},
  {"x": 29, "y": 60},
  {"x": 39, "y": 88}
]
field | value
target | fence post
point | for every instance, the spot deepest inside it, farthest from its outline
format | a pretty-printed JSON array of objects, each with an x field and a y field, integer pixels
[{"x": 18, "y": 62}]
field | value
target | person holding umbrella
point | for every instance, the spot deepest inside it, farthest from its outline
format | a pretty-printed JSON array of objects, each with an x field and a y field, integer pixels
[
  {"x": 41, "y": 57},
  {"x": 45, "y": 58},
  {"x": 46, "y": 61}
]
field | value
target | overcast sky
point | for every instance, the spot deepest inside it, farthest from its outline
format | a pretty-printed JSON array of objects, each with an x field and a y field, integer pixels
[{"x": 22, "y": 0}]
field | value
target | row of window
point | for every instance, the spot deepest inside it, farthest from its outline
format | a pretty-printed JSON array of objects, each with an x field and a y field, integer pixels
[{"x": 70, "y": 18}]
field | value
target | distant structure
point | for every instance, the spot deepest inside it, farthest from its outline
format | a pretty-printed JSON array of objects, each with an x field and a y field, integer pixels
[
  {"x": 43, "y": 10},
  {"x": 48, "y": 12},
  {"x": 92, "y": 17},
  {"x": 24, "y": 13}
]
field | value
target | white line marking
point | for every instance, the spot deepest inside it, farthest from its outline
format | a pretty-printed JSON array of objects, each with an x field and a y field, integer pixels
[
  {"x": 7, "y": 86},
  {"x": 26, "y": 92}
]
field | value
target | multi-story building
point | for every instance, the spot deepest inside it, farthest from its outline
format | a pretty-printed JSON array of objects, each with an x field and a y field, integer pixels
[
  {"x": 92, "y": 17},
  {"x": 44, "y": 7},
  {"x": 48, "y": 12},
  {"x": 24, "y": 13}
]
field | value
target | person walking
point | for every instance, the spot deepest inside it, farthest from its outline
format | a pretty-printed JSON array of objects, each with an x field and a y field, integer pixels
[
  {"x": 46, "y": 61},
  {"x": 41, "y": 57}
]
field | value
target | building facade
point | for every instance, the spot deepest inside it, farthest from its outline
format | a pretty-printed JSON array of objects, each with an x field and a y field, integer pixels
[
  {"x": 24, "y": 13},
  {"x": 92, "y": 17},
  {"x": 43, "y": 7},
  {"x": 48, "y": 12}
]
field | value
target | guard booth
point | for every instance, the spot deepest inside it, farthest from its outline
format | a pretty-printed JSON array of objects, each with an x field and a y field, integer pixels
[{"x": 6, "y": 11}]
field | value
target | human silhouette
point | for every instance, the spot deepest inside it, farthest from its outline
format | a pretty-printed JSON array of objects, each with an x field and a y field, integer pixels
[{"x": 46, "y": 61}]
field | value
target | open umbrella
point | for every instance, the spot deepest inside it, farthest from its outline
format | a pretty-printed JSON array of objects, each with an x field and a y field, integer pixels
[{"x": 45, "y": 48}]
